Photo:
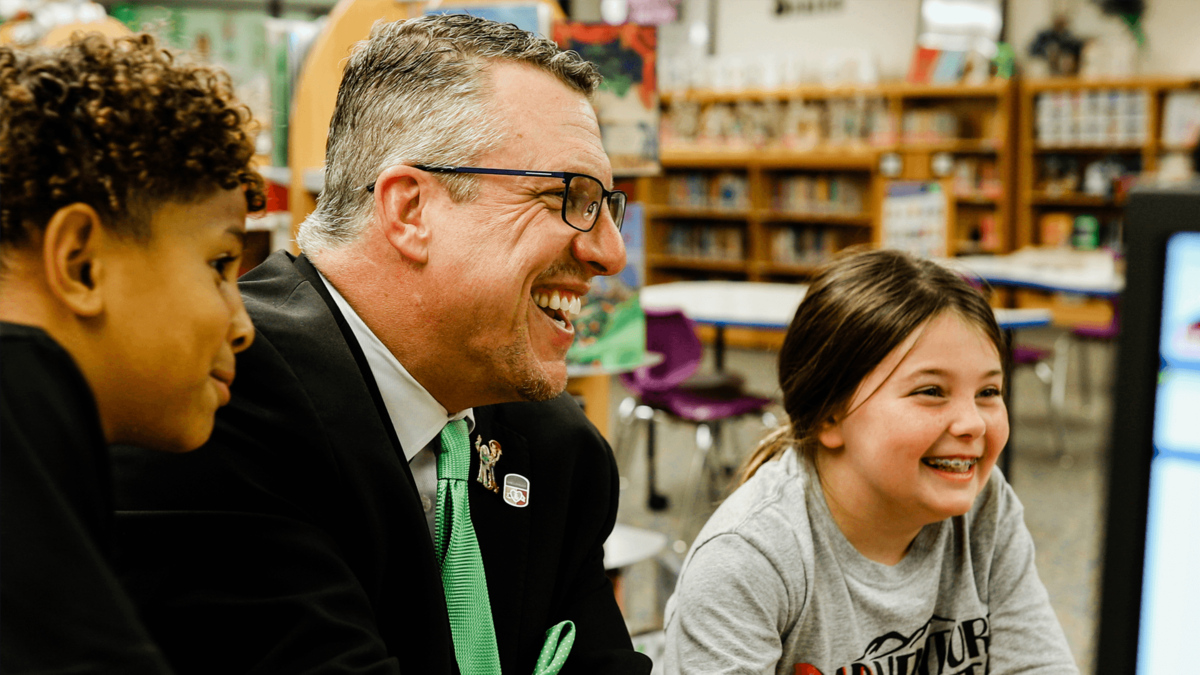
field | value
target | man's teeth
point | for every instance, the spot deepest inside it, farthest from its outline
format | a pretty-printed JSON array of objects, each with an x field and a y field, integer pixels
[
  {"x": 951, "y": 464},
  {"x": 568, "y": 304}
]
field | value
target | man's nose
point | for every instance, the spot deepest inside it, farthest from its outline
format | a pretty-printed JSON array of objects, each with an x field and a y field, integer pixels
[{"x": 602, "y": 249}]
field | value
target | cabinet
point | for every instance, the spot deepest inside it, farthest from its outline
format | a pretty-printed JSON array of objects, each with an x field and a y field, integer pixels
[
  {"x": 766, "y": 216},
  {"x": 1083, "y": 144},
  {"x": 766, "y": 185}
]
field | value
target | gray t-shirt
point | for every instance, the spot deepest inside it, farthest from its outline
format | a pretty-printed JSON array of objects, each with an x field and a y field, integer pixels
[{"x": 771, "y": 585}]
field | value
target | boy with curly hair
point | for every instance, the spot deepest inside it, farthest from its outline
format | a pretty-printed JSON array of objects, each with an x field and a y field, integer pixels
[{"x": 125, "y": 179}]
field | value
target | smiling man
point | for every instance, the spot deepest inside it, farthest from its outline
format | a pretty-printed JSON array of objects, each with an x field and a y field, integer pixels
[{"x": 467, "y": 207}]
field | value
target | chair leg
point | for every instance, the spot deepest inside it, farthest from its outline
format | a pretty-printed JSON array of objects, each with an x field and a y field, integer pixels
[
  {"x": 1062, "y": 357},
  {"x": 626, "y": 421},
  {"x": 704, "y": 445},
  {"x": 654, "y": 500},
  {"x": 1085, "y": 372},
  {"x": 1058, "y": 398}
]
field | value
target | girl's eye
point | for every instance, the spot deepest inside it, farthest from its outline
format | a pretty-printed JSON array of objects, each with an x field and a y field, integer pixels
[
  {"x": 990, "y": 392},
  {"x": 928, "y": 391}
]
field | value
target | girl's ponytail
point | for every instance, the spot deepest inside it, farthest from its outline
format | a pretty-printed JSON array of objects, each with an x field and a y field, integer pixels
[{"x": 770, "y": 447}]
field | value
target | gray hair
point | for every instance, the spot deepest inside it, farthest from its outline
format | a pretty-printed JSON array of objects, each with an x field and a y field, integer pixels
[{"x": 417, "y": 92}]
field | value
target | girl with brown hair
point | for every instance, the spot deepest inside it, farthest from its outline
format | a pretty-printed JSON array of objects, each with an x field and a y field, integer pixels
[{"x": 871, "y": 534}]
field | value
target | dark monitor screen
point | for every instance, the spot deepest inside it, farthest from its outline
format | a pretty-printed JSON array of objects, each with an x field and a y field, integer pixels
[{"x": 1150, "y": 595}]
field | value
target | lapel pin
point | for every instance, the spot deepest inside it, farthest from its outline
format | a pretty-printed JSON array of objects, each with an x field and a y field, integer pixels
[
  {"x": 489, "y": 454},
  {"x": 516, "y": 490}
]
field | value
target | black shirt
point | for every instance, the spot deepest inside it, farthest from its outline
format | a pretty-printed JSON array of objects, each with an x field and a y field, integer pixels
[{"x": 61, "y": 607}]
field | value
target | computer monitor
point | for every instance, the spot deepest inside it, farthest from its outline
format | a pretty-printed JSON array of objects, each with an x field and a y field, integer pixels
[{"x": 1150, "y": 592}]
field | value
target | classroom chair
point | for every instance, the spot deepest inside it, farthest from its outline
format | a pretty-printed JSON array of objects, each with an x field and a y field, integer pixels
[{"x": 669, "y": 390}]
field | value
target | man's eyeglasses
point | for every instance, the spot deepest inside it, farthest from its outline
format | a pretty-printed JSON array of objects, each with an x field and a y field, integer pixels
[{"x": 582, "y": 194}]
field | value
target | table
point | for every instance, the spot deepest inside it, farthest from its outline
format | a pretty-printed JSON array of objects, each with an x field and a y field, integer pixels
[
  {"x": 1091, "y": 273},
  {"x": 742, "y": 304},
  {"x": 770, "y": 306},
  {"x": 625, "y": 546}
]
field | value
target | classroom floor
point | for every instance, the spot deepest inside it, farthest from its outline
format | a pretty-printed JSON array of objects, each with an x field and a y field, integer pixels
[{"x": 1063, "y": 497}]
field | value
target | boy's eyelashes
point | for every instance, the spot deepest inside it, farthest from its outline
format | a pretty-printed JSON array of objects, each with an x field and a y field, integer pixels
[{"x": 225, "y": 263}]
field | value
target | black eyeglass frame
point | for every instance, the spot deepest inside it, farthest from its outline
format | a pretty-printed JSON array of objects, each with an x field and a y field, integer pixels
[{"x": 565, "y": 176}]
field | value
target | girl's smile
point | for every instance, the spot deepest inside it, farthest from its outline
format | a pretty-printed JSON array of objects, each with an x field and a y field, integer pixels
[{"x": 921, "y": 434}]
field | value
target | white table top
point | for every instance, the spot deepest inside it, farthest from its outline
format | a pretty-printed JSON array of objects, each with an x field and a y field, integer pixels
[
  {"x": 1063, "y": 270},
  {"x": 628, "y": 545},
  {"x": 728, "y": 303},
  {"x": 766, "y": 305}
]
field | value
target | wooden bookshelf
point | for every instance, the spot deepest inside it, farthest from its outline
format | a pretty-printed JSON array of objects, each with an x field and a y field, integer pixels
[
  {"x": 1066, "y": 140},
  {"x": 982, "y": 114}
]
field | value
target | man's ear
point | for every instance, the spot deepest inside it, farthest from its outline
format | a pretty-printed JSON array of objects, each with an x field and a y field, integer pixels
[
  {"x": 402, "y": 195},
  {"x": 830, "y": 434},
  {"x": 70, "y": 257}
]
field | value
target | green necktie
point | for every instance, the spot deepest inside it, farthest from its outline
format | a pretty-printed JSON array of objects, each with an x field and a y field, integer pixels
[{"x": 463, "y": 578}]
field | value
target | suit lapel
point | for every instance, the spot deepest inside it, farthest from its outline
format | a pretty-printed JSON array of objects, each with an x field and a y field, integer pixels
[
  {"x": 503, "y": 530},
  {"x": 293, "y": 310}
]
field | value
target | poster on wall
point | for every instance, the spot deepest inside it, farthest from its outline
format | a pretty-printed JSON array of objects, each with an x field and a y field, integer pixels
[
  {"x": 627, "y": 101},
  {"x": 610, "y": 331},
  {"x": 534, "y": 17},
  {"x": 914, "y": 218}
]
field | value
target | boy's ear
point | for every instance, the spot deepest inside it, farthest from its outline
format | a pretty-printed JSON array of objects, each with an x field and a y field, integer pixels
[
  {"x": 830, "y": 434},
  {"x": 401, "y": 196},
  {"x": 70, "y": 248}
]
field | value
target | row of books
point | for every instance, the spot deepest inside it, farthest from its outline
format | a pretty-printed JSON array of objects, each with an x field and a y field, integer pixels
[
  {"x": 794, "y": 124},
  {"x": 804, "y": 245},
  {"x": 709, "y": 242},
  {"x": 1101, "y": 177},
  {"x": 928, "y": 126},
  {"x": 1081, "y": 231},
  {"x": 725, "y": 190},
  {"x": 804, "y": 125},
  {"x": 840, "y": 194},
  {"x": 1094, "y": 117},
  {"x": 977, "y": 176}
]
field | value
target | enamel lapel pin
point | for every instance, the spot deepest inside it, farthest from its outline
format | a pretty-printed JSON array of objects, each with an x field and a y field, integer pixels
[
  {"x": 489, "y": 454},
  {"x": 516, "y": 490}
]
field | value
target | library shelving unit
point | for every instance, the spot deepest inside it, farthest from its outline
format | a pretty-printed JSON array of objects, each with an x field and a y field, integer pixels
[
  {"x": 1082, "y": 143},
  {"x": 1070, "y": 125},
  {"x": 776, "y": 211}
]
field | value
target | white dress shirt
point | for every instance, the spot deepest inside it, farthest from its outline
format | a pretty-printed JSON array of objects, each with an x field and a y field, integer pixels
[{"x": 416, "y": 415}]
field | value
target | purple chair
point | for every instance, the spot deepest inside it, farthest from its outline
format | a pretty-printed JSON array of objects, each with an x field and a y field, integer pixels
[{"x": 670, "y": 389}]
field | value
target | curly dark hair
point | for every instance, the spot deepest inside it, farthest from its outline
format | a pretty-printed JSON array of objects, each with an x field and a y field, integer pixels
[{"x": 121, "y": 125}]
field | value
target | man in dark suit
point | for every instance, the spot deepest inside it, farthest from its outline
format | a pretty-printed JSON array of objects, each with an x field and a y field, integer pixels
[{"x": 300, "y": 539}]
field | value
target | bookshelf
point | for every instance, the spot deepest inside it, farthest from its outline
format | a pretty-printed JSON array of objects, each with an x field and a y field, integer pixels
[
  {"x": 764, "y": 185},
  {"x": 1082, "y": 145},
  {"x": 1084, "y": 142}
]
